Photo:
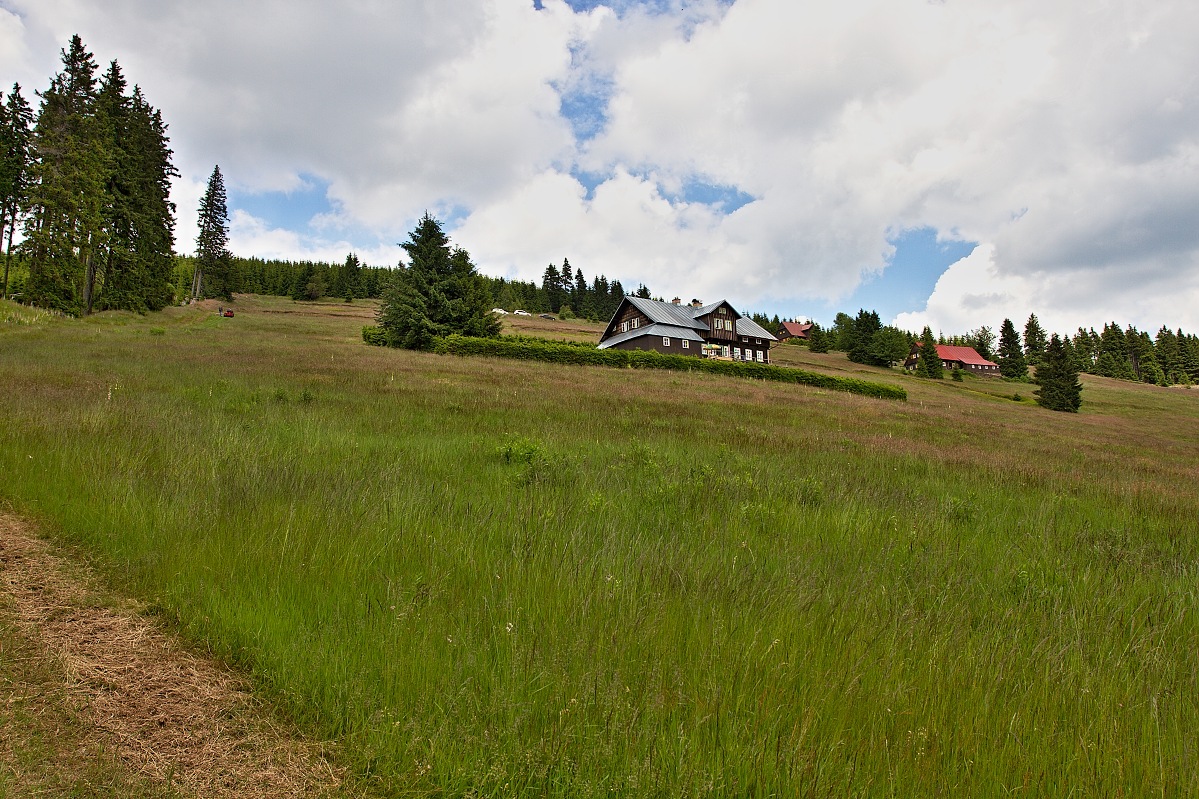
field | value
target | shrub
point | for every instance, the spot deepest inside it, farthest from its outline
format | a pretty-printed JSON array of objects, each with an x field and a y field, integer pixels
[{"x": 374, "y": 335}]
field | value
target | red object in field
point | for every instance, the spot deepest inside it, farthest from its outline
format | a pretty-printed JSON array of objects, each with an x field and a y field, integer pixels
[{"x": 229, "y": 314}]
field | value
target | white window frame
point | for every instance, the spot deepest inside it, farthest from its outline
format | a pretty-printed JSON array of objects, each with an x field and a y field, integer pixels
[
  {"x": 686, "y": 344},
  {"x": 736, "y": 353},
  {"x": 665, "y": 341},
  {"x": 761, "y": 356}
]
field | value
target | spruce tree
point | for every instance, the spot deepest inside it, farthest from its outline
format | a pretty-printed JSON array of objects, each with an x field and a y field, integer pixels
[
  {"x": 818, "y": 339},
  {"x": 212, "y": 275},
  {"x": 64, "y": 228},
  {"x": 551, "y": 285},
  {"x": 865, "y": 327},
  {"x": 349, "y": 278},
  {"x": 1114, "y": 360},
  {"x": 1034, "y": 340},
  {"x": 16, "y": 134},
  {"x": 982, "y": 340},
  {"x": 135, "y": 272},
  {"x": 889, "y": 346},
  {"x": 928, "y": 360},
  {"x": 437, "y": 294},
  {"x": 1057, "y": 377},
  {"x": 1011, "y": 355}
]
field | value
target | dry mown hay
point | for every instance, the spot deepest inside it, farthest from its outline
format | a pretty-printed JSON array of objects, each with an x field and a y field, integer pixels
[{"x": 169, "y": 714}]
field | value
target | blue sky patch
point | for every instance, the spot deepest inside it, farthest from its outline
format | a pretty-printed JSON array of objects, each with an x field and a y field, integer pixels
[
  {"x": 588, "y": 180},
  {"x": 906, "y": 283},
  {"x": 727, "y": 198},
  {"x": 586, "y": 109},
  {"x": 290, "y": 210}
]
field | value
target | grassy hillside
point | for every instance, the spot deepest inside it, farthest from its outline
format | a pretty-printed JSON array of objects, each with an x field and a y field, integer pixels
[{"x": 503, "y": 578}]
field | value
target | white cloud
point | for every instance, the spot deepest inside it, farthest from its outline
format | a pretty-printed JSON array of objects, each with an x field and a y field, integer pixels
[
  {"x": 1065, "y": 136},
  {"x": 249, "y": 234}
]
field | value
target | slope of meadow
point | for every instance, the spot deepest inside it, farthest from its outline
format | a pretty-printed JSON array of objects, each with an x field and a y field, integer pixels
[{"x": 497, "y": 578}]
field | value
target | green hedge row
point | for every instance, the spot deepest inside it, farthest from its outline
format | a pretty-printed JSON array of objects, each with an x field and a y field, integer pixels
[{"x": 529, "y": 349}]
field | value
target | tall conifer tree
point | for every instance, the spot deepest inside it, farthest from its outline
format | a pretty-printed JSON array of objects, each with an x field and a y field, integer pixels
[
  {"x": 1011, "y": 354},
  {"x": 1034, "y": 340},
  {"x": 16, "y": 134},
  {"x": 212, "y": 275},
  {"x": 64, "y": 229}
]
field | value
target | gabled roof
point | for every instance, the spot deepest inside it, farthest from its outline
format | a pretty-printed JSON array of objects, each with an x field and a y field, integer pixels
[
  {"x": 748, "y": 327},
  {"x": 799, "y": 329},
  {"x": 704, "y": 310},
  {"x": 950, "y": 352},
  {"x": 669, "y": 313},
  {"x": 682, "y": 317},
  {"x": 674, "y": 331}
]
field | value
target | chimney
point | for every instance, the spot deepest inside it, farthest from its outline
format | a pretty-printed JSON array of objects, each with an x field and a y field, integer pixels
[
  {"x": 696, "y": 304},
  {"x": 677, "y": 301}
]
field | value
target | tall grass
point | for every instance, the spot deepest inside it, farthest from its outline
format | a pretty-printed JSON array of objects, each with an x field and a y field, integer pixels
[{"x": 501, "y": 578}]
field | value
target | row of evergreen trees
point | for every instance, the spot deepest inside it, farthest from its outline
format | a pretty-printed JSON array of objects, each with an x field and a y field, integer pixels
[
  {"x": 88, "y": 181},
  {"x": 300, "y": 280},
  {"x": 562, "y": 291},
  {"x": 1169, "y": 358}
]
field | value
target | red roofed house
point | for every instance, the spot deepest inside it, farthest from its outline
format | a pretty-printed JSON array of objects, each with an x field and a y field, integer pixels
[
  {"x": 957, "y": 358},
  {"x": 794, "y": 330}
]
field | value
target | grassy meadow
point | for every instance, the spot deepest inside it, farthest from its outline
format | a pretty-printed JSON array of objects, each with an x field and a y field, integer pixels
[{"x": 498, "y": 578}]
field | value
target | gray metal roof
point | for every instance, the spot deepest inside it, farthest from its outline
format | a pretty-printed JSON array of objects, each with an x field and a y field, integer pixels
[
  {"x": 748, "y": 327},
  {"x": 680, "y": 319},
  {"x": 707, "y": 309},
  {"x": 668, "y": 313},
  {"x": 674, "y": 331}
]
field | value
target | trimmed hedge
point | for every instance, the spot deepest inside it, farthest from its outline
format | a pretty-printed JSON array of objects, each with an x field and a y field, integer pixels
[{"x": 531, "y": 349}]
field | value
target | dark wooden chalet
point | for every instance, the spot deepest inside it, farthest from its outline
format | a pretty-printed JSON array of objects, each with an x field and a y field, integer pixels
[
  {"x": 954, "y": 357},
  {"x": 705, "y": 331},
  {"x": 799, "y": 330}
]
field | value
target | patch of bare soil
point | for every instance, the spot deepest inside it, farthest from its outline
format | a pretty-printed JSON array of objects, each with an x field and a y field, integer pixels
[{"x": 168, "y": 714}]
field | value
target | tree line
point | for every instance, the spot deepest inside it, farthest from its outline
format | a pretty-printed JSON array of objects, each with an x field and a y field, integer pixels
[
  {"x": 300, "y": 280},
  {"x": 87, "y": 179},
  {"x": 563, "y": 291}
]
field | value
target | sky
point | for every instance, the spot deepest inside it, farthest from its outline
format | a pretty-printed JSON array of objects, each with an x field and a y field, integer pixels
[{"x": 944, "y": 162}]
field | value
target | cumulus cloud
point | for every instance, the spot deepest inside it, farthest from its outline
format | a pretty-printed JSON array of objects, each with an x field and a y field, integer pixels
[{"x": 1065, "y": 137}]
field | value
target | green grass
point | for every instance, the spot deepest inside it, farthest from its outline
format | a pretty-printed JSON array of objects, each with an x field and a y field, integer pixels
[{"x": 501, "y": 578}]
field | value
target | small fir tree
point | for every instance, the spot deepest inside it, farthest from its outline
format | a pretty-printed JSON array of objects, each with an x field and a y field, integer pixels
[
  {"x": 437, "y": 294},
  {"x": 928, "y": 361},
  {"x": 818, "y": 339},
  {"x": 1057, "y": 377}
]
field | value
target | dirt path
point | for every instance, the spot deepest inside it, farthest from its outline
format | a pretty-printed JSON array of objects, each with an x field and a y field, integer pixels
[{"x": 170, "y": 716}]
